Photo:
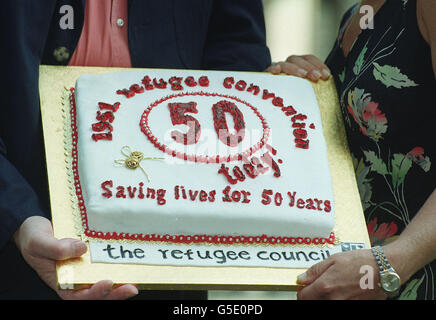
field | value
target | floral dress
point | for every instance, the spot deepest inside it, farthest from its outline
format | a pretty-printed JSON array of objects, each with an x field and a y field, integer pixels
[{"x": 386, "y": 88}]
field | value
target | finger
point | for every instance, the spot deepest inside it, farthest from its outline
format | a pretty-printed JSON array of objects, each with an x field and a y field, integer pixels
[
  {"x": 320, "y": 289},
  {"x": 325, "y": 71},
  {"x": 311, "y": 292},
  {"x": 312, "y": 70},
  {"x": 102, "y": 290},
  {"x": 314, "y": 272},
  {"x": 292, "y": 69},
  {"x": 97, "y": 291},
  {"x": 122, "y": 292},
  {"x": 274, "y": 69},
  {"x": 49, "y": 247}
]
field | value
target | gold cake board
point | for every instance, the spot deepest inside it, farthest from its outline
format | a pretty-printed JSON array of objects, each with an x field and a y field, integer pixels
[{"x": 80, "y": 273}]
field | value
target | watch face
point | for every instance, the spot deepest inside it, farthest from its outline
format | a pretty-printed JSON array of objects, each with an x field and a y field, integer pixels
[{"x": 390, "y": 281}]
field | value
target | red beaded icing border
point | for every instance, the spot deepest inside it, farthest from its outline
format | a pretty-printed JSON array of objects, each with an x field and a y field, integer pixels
[
  {"x": 180, "y": 239},
  {"x": 204, "y": 159}
]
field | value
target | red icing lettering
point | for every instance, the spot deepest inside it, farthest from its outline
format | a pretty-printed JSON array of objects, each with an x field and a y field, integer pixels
[
  {"x": 131, "y": 191},
  {"x": 121, "y": 192},
  {"x": 105, "y": 186},
  {"x": 184, "y": 193},
  {"x": 193, "y": 194},
  {"x": 278, "y": 199},
  {"x": 271, "y": 163},
  {"x": 260, "y": 168},
  {"x": 146, "y": 81},
  {"x": 141, "y": 191},
  {"x": 318, "y": 204},
  {"x": 236, "y": 196},
  {"x": 177, "y": 113},
  {"x": 289, "y": 111},
  {"x": 225, "y": 171},
  {"x": 292, "y": 198},
  {"x": 137, "y": 88},
  {"x": 226, "y": 197},
  {"x": 211, "y": 197},
  {"x": 176, "y": 193},
  {"x": 302, "y": 144},
  {"x": 111, "y": 107},
  {"x": 268, "y": 95},
  {"x": 190, "y": 82},
  {"x": 300, "y": 117},
  {"x": 271, "y": 149},
  {"x": 162, "y": 84},
  {"x": 238, "y": 173},
  {"x": 176, "y": 83},
  {"x": 151, "y": 193},
  {"x": 228, "y": 82},
  {"x": 253, "y": 88},
  {"x": 220, "y": 123},
  {"x": 300, "y": 133},
  {"x": 309, "y": 204},
  {"x": 108, "y": 116},
  {"x": 278, "y": 102},
  {"x": 241, "y": 85},
  {"x": 301, "y": 125},
  {"x": 266, "y": 196},
  {"x": 203, "y": 81},
  {"x": 250, "y": 170},
  {"x": 161, "y": 197},
  {"x": 126, "y": 92},
  {"x": 101, "y": 126},
  {"x": 327, "y": 206},
  {"x": 245, "y": 195},
  {"x": 102, "y": 136},
  {"x": 203, "y": 196},
  {"x": 300, "y": 204}
]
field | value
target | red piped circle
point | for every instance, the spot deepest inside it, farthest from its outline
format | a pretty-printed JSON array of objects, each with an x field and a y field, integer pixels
[{"x": 145, "y": 128}]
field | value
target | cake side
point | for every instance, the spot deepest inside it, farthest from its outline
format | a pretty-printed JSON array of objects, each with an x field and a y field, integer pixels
[{"x": 266, "y": 183}]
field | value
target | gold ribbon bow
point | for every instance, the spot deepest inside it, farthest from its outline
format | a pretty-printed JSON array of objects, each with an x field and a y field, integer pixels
[{"x": 133, "y": 159}]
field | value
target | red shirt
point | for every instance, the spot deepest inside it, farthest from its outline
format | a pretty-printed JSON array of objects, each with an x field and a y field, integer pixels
[{"x": 104, "y": 38}]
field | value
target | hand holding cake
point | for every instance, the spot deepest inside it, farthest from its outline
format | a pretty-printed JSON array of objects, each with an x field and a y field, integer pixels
[
  {"x": 305, "y": 66},
  {"x": 41, "y": 250}
]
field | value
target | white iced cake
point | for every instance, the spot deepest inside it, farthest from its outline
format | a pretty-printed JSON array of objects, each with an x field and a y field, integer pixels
[{"x": 200, "y": 156}]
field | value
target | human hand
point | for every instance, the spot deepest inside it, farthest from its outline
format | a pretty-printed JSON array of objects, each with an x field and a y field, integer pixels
[
  {"x": 306, "y": 66},
  {"x": 339, "y": 277},
  {"x": 41, "y": 249}
]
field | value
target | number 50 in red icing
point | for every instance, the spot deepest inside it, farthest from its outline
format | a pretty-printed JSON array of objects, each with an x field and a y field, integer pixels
[{"x": 219, "y": 110}]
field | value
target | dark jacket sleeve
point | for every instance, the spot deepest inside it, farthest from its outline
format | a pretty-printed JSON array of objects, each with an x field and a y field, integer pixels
[
  {"x": 24, "y": 26},
  {"x": 236, "y": 37},
  {"x": 18, "y": 200}
]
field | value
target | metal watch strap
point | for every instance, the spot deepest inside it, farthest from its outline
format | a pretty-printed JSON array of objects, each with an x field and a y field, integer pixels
[{"x": 382, "y": 261}]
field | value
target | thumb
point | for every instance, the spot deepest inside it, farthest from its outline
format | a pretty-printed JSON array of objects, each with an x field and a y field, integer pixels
[
  {"x": 314, "y": 272},
  {"x": 35, "y": 237},
  {"x": 51, "y": 248}
]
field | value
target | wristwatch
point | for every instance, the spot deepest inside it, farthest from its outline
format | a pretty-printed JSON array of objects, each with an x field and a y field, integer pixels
[{"x": 390, "y": 281}]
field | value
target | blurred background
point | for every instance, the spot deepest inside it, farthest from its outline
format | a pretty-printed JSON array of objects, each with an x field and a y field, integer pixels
[
  {"x": 303, "y": 26},
  {"x": 295, "y": 27}
]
